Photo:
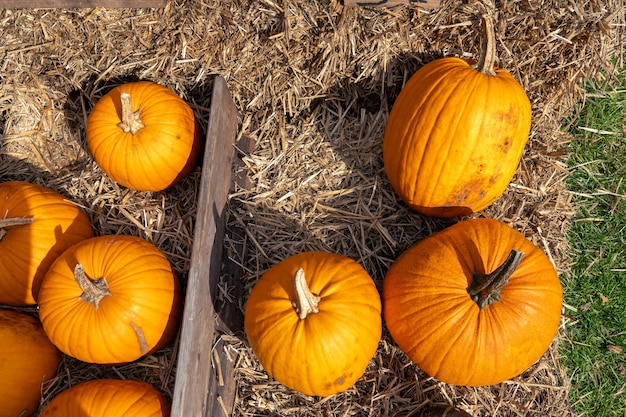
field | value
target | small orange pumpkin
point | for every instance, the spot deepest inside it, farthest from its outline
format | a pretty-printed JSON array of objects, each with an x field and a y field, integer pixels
[
  {"x": 314, "y": 322},
  {"x": 144, "y": 136},
  {"x": 27, "y": 360},
  {"x": 110, "y": 299},
  {"x": 36, "y": 225},
  {"x": 474, "y": 304},
  {"x": 108, "y": 398},
  {"x": 456, "y": 134}
]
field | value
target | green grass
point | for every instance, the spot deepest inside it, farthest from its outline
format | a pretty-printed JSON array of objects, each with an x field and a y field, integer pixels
[{"x": 595, "y": 289}]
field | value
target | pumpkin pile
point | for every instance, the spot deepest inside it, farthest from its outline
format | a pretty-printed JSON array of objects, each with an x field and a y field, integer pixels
[
  {"x": 108, "y": 299},
  {"x": 474, "y": 304},
  {"x": 102, "y": 299}
]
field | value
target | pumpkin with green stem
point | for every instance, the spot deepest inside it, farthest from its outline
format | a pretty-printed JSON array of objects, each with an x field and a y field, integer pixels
[{"x": 474, "y": 304}]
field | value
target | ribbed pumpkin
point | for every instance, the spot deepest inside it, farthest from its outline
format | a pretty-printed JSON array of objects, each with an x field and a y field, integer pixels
[
  {"x": 474, "y": 304},
  {"x": 36, "y": 225},
  {"x": 144, "y": 136},
  {"x": 314, "y": 322},
  {"x": 27, "y": 360},
  {"x": 110, "y": 300},
  {"x": 108, "y": 398},
  {"x": 456, "y": 134}
]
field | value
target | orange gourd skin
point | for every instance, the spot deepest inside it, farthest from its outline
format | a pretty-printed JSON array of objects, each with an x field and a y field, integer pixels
[
  {"x": 158, "y": 155},
  {"x": 108, "y": 398},
  {"x": 27, "y": 359},
  {"x": 432, "y": 318},
  {"x": 328, "y": 351},
  {"x": 139, "y": 316},
  {"x": 28, "y": 250},
  {"x": 455, "y": 137}
]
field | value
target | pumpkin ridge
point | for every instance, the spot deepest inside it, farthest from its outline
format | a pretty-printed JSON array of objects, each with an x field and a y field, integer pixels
[
  {"x": 153, "y": 109},
  {"x": 113, "y": 405},
  {"x": 279, "y": 323},
  {"x": 149, "y": 100},
  {"x": 346, "y": 304},
  {"x": 109, "y": 138},
  {"x": 110, "y": 319},
  {"x": 449, "y": 105},
  {"x": 162, "y": 161},
  {"x": 143, "y": 175},
  {"x": 459, "y": 328},
  {"x": 330, "y": 350},
  {"x": 342, "y": 319},
  {"x": 477, "y": 77},
  {"x": 400, "y": 159},
  {"x": 415, "y": 120},
  {"x": 515, "y": 336},
  {"x": 416, "y": 339}
]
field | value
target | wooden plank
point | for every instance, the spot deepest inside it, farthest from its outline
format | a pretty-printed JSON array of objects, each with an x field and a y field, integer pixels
[
  {"x": 67, "y": 4},
  {"x": 223, "y": 389},
  {"x": 425, "y": 4},
  {"x": 199, "y": 321}
]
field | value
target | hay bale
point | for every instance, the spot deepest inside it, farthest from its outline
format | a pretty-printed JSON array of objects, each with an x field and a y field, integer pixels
[{"x": 314, "y": 82}]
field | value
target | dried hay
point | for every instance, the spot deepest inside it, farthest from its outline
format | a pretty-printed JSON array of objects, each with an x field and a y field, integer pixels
[{"x": 314, "y": 82}]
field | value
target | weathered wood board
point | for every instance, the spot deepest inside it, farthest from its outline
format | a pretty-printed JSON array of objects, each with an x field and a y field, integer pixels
[
  {"x": 223, "y": 387},
  {"x": 194, "y": 391}
]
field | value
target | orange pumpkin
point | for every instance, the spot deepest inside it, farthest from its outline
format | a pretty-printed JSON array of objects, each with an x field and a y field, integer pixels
[
  {"x": 144, "y": 136},
  {"x": 314, "y": 322},
  {"x": 474, "y": 304},
  {"x": 36, "y": 225},
  {"x": 27, "y": 360},
  {"x": 456, "y": 134},
  {"x": 108, "y": 398},
  {"x": 110, "y": 299}
]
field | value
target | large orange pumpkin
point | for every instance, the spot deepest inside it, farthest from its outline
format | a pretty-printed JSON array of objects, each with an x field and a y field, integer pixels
[
  {"x": 27, "y": 360},
  {"x": 314, "y": 322},
  {"x": 110, "y": 299},
  {"x": 456, "y": 134},
  {"x": 144, "y": 136},
  {"x": 108, "y": 398},
  {"x": 36, "y": 225},
  {"x": 474, "y": 304}
]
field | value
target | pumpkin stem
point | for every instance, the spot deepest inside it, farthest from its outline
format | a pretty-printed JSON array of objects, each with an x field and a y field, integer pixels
[
  {"x": 16, "y": 221},
  {"x": 486, "y": 289},
  {"x": 131, "y": 122},
  {"x": 94, "y": 290},
  {"x": 306, "y": 302},
  {"x": 487, "y": 58}
]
